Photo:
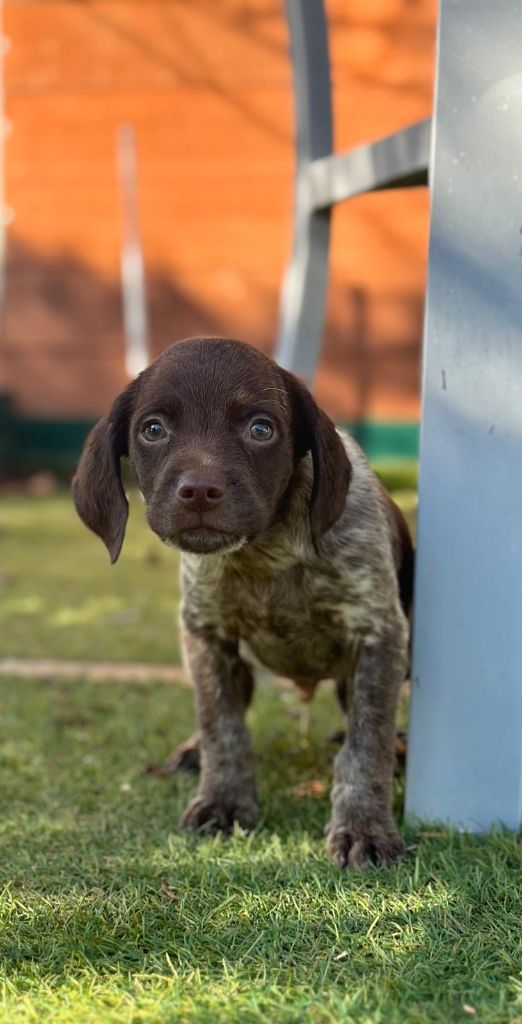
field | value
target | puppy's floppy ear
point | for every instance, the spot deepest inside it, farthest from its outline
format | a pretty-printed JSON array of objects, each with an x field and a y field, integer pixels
[
  {"x": 314, "y": 432},
  {"x": 97, "y": 488}
]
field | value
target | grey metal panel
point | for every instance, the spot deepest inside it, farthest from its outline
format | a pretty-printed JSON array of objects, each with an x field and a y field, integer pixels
[
  {"x": 397, "y": 161},
  {"x": 304, "y": 286},
  {"x": 465, "y": 750}
]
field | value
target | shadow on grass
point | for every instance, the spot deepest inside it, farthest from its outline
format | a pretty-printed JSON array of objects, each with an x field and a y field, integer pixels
[{"x": 101, "y": 890}]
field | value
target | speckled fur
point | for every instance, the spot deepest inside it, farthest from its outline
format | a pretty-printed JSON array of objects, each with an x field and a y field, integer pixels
[
  {"x": 311, "y": 615},
  {"x": 316, "y": 559}
]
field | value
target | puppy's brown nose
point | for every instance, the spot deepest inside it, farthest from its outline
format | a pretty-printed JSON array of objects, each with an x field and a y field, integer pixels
[{"x": 197, "y": 492}]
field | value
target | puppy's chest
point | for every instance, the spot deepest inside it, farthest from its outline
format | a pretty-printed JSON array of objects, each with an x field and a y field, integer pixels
[{"x": 297, "y": 623}]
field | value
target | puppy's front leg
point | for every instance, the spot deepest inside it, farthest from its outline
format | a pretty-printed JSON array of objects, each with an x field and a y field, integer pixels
[
  {"x": 227, "y": 790},
  {"x": 361, "y": 830}
]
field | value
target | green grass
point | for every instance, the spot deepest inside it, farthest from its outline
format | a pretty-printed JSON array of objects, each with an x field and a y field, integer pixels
[
  {"x": 60, "y": 597},
  {"x": 109, "y": 914}
]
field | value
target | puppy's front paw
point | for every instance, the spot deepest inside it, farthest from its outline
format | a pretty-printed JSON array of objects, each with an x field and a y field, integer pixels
[
  {"x": 363, "y": 844},
  {"x": 210, "y": 814}
]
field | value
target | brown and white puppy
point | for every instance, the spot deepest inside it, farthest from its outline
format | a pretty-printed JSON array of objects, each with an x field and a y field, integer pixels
[{"x": 289, "y": 546}]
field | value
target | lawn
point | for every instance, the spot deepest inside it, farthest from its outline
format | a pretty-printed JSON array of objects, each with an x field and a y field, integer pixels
[{"x": 109, "y": 914}]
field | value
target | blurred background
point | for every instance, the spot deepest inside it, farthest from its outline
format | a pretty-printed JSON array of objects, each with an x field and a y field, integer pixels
[
  {"x": 165, "y": 128},
  {"x": 172, "y": 121}
]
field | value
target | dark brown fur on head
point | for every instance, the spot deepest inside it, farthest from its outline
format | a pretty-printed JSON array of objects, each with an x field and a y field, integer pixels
[{"x": 207, "y": 483}]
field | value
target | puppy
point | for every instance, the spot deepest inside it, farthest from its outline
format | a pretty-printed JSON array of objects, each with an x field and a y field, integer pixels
[{"x": 289, "y": 545}]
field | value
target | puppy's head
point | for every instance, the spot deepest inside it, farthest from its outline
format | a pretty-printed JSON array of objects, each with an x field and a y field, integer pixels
[{"x": 214, "y": 431}]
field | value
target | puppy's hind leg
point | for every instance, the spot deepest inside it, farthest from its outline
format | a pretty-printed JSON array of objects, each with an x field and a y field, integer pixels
[
  {"x": 185, "y": 758},
  {"x": 343, "y": 690}
]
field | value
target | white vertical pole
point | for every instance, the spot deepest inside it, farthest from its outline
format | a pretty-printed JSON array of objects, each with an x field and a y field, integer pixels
[
  {"x": 465, "y": 748},
  {"x": 5, "y": 127},
  {"x": 132, "y": 269}
]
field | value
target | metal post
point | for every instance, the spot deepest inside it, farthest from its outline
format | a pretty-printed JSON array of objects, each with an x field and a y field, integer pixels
[
  {"x": 304, "y": 287},
  {"x": 465, "y": 749},
  {"x": 324, "y": 178}
]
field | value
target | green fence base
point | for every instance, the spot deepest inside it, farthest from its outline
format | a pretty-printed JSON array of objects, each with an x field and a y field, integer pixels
[
  {"x": 383, "y": 439},
  {"x": 28, "y": 445}
]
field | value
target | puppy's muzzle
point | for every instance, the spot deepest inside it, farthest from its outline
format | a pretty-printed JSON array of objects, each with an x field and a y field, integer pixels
[{"x": 199, "y": 493}]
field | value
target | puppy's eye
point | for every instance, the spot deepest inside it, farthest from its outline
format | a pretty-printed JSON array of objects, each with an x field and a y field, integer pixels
[
  {"x": 153, "y": 430},
  {"x": 260, "y": 430}
]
